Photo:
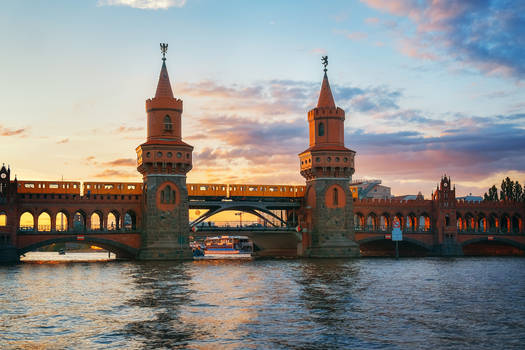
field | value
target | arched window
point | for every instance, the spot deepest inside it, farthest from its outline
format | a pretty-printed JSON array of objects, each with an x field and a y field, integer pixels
[
  {"x": 167, "y": 123},
  {"x": 167, "y": 195},
  {"x": 335, "y": 197},
  {"x": 321, "y": 129}
]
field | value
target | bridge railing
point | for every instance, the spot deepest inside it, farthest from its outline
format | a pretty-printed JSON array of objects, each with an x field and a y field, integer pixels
[
  {"x": 388, "y": 229},
  {"x": 47, "y": 230},
  {"x": 500, "y": 231}
]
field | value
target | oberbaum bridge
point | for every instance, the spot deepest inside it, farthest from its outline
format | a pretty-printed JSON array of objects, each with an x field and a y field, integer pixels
[{"x": 324, "y": 219}]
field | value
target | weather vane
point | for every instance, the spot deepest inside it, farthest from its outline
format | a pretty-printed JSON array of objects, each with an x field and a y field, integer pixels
[
  {"x": 163, "y": 49},
  {"x": 324, "y": 61}
]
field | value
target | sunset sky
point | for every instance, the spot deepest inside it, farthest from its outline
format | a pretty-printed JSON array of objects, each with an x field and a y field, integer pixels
[{"x": 429, "y": 87}]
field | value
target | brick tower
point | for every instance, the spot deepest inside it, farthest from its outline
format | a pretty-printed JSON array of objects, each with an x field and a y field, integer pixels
[
  {"x": 163, "y": 160},
  {"x": 327, "y": 165},
  {"x": 444, "y": 202}
]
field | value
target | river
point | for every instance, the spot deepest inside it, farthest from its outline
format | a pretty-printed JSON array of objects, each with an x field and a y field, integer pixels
[{"x": 427, "y": 303}]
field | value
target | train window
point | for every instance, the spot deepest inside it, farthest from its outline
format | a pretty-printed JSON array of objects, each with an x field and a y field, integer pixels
[
  {"x": 251, "y": 189},
  {"x": 75, "y": 186},
  {"x": 88, "y": 186},
  {"x": 131, "y": 187},
  {"x": 108, "y": 187},
  {"x": 203, "y": 188},
  {"x": 53, "y": 185},
  {"x": 29, "y": 185}
]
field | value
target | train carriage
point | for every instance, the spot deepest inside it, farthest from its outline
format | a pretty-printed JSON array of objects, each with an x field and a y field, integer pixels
[
  {"x": 114, "y": 188},
  {"x": 208, "y": 191},
  {"x": 49, "y": 187}
]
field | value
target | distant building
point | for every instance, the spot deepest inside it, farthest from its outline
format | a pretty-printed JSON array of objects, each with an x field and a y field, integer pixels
[
  {"x": 409, "y": 197},
  {"x": 471, "y": 198},
  {"x": 371, "y": 189}
]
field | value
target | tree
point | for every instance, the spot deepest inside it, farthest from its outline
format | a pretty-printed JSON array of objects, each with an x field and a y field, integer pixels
[
  {"x": 518, "y": 192},
  {"x": 507, "y": 189},
  {"x": 492, "y": 195}
]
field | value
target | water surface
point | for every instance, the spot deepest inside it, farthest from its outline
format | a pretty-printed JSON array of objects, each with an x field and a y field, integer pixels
[{"x": 430, "y": 303}]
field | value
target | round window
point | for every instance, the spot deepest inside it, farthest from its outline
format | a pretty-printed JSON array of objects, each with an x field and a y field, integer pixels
[
  {"x": 179, "y": 154},
  {"x": 148, "y": 154},
  {"x": 329, "y": 159},
  {"x": 170, "y": 154},
  {"x": 337, "y": 159},
  {"x": 345, "y": 159},
  {"x": 159, "y": 154},
  {"x": 318, "y": 159}
]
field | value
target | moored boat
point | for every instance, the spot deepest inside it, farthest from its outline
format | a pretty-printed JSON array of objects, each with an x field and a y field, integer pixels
[{"x": 228, "y": 247}]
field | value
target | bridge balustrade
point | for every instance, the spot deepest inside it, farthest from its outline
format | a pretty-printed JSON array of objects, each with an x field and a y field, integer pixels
[
  {"x": 388, "y": 229},
  {"x": 31, "y": 230}
]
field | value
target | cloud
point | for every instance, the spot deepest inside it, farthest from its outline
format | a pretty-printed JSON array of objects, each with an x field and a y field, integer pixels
[
  {"x": 66, "y": 140},
  {"x": 144, "y": 4},
  {"x": 112, "y": 173},
  {"x": 13, "y": 132},
  {"x": 122, "y": 162},
  {"x": 318, "y": 51},
  {"x": 128, "y": 129},
  {"x": 488, "y": 35}
]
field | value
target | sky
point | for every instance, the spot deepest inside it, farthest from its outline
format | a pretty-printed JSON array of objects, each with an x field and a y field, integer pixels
[{"x": 429, "y": 87}]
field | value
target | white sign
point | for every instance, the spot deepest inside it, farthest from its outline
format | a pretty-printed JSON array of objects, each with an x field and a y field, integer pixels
[{"x": 397, "y": 234}]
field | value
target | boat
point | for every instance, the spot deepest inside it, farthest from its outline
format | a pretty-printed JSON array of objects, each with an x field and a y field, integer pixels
[
  {"x": 62, "y": 252},
  {"x": 228, "y": 247}
]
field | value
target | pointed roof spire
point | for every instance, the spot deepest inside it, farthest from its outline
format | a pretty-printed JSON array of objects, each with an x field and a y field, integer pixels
[
  {"x": 325, "y": 96},
  {"x": 164, "y": 86}
]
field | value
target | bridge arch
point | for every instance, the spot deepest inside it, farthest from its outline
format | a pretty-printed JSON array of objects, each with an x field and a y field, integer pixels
[
  {"x": 385, "y": 222},
  {"x": 505, "y": 223},
  {"x": 424, "y": 222},
  {"x": 96, "y": 220},
  {"x": 26, "y": 221},
  {"x": 120, "y": 249},
  {"x": 62, "y": 220},
  {"x": 371, "y": 222},
  {"x": 113, "y": 220},
  {"x": 379, "y": 246},
  {"x": 494, "y": 246},
  {"x": 359, "y": 221},
  {"x": 44, "y": 220},
  {"x": 130, "y": 220},
  {"x": 482, "y": 223},
  {"x": 79, "y": 222}
]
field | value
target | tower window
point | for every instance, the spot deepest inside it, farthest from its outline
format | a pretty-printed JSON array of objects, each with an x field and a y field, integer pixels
[
  {"x": 167, "y": 123},
  {"x": 336, "y": 197},
  {"x": 167, "y": 195},
  {"x": 321, "y": 129}
]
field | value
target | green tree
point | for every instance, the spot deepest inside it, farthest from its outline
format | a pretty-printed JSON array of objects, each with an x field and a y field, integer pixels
[
  {"x": 492, "y": 195},
  {"x": 518, "y": 192},
  {"x": 507, "y": 189}
]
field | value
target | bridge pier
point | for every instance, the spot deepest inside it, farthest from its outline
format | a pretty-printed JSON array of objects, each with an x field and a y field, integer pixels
[
  {"x": 448, "y": 248},
  {"x": 9, "y": 255}
]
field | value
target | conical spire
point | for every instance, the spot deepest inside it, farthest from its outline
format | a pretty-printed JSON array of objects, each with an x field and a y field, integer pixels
[
  {"x": 164, "y": 86},
  {"x": 325, "y": 96}
]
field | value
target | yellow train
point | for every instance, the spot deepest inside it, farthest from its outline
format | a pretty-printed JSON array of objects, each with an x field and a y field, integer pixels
[
  {"x": 49, "y": 187},
  {"x": 202, "y": 190}
]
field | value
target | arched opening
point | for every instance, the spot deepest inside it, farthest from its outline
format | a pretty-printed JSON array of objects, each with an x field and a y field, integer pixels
[
  {"x": 27, "y": 222},
  {"x": 384, "y": 222},
  {"x": 3, "y": 219},
  {"x": 387, "y": 248},
  {"x": 335, "y": 197},
  {"x": 505, "y": 224},
  {"x": 411, "y": 221},
  {"x": 424, "y": 223},
  {"x": 517, "y": 225},
  {"x": 493, "y": 223},
  {"x": 96, "y": 221},
  {"x": 470, "y": 223},
  {"x": 484, "y": 247},
  {"x": 167, "y": 195},
  {"x": 371, "y": 222},
  {"x": 61, "y": 223},
  {"x": 460, "y": 223},
  {"x": 482, "y": 223},
  {"x": 167, "y": 123},
  {"x": 447, "y": 220},
  {"x": 79, "y": 221},
  {"x": 321, "y": 129},
  {"x": 44, "y": 222},
  {"x": 113, "y": 221},
  {"x": 359, "y": 222},
  {"x": 130, "y": 220}
]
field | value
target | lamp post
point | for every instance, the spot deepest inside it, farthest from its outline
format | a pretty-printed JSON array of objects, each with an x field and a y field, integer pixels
[{"x": 240, "y": 218}]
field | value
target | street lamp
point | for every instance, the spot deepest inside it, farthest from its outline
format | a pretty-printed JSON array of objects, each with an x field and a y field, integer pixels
[{"x": 240, "y": 218}]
